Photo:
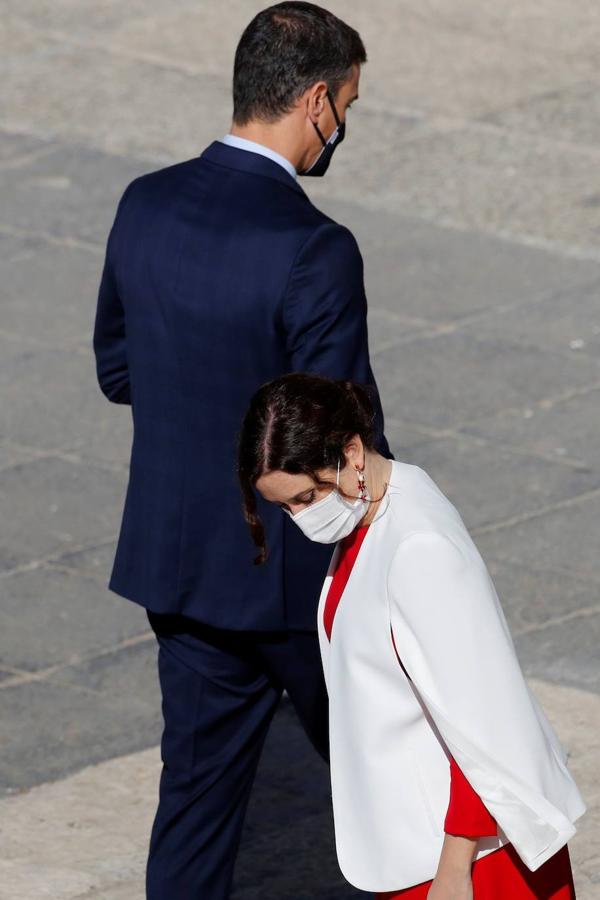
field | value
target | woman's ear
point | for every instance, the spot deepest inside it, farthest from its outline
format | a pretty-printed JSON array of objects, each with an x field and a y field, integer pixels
[{"x": 354, "y": 452}]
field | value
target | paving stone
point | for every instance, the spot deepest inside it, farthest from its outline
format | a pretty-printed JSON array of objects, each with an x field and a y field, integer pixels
[
  {"x": 4, "y": 674},
  {"x": 49, "y": 292},
  {"x": 14, "y": 247},
  {"x": 443, "y": 275},
  {"x": 70, "y": 193},
  {"x": 70, "y": 17},
  {"x": 568, "y": 114},
  {"x": 564, "y": 654},
  {"x": 387, "y": 329},
  {"x": 309, "y": 871},
  {"x": 105, "y": 814},
  {"x": 446, "y": 380},
  {"x": 533, "y": 597},
  {"x": 401, "y": 436},
  {"x": 478, "y": 178},
  {"x": 143, "y": 110},
  {"x": 44, "y": 511},
  {"x": 286, "y": 822},
  {"x": 49, "y": 617},
  {"x": 51, "y": 398},
  {"x": 561, "y": 539},
  {"x": 57, "y": 728},
  {"x": 128, "y": 672},
  {"x": 567, "y": 321},
  {"x": 483, "y": 196},
  {"x": 93, "y": 562},
  {"x": 422, "y": 270},
  {"x": 429, "y": 57},
  {"x": 110, "y": 437},
  {"x": 13, "y": 454},
  {"x": 184, "y": 34},
  {"x": 567, "y": 428},
  {"x": 289, "y": 818},
  {"x": 545, "y": 24},
  {"x": 310, "y": 781},
  {"x": 490, "y": 483},
  {"x": 373, "y": 229},
  {"x": 16, "y": 146}
]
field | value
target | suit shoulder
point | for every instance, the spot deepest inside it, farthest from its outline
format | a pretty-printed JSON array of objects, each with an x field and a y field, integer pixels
[
  {"x": 153, "y": 191},
  {"x": 160, "y": 178},
  {"x": 330, "y": 240},
  {"x": 333, "y": 227}
]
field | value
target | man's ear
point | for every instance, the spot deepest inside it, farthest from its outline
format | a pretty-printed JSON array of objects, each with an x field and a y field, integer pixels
[{"x": 315, "y": 98}]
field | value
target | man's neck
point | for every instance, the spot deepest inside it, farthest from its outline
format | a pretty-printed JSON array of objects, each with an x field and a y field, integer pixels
[{"x": 275, "y": 138}]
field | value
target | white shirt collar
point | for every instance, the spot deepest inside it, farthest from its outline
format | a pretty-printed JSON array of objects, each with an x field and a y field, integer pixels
[{"x": 233, "y": 140}]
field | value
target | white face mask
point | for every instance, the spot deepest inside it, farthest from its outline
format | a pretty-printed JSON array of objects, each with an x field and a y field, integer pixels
[{"x": 330, "y": 519}]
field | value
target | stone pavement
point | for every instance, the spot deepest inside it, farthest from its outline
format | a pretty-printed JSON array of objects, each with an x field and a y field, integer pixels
[
  {"x": 96, "y": 854},
  {"x": 470, "y": 178}
]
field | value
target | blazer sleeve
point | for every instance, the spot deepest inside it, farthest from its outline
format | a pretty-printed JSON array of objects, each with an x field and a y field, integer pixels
[
  {"x": 109, "y": 339},
  {"x": 466, "y": 814},
  {"x": 456, "y": 647},
  {"x": 325, "y": 314}
]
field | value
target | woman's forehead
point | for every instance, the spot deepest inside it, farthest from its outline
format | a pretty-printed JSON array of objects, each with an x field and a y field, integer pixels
[{"x": 283, "y": 486}]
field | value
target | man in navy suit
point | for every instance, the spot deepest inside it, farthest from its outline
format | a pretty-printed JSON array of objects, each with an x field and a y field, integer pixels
[{"x": 221, "y": 275}]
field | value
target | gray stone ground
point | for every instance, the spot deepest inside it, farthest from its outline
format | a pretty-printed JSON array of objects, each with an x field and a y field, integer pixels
[{"x": 470, "y": 177}]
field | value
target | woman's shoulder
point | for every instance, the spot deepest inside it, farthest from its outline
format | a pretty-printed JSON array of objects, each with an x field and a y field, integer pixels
[
  {"x": 412, "y": 489},
  {"x": 418, "y": 505},
  {"x": 405, "y": 474}
]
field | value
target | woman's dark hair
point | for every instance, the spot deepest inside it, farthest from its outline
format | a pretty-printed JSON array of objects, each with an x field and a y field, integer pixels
[
  {"x": 298, "y": 423},
  {"x": 283, "y": 51}
]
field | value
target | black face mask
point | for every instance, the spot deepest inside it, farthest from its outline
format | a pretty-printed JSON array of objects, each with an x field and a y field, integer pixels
[{"x": 321, "y": 164}]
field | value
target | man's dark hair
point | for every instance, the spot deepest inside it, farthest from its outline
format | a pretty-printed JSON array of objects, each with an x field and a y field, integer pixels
[{"x": 283, "y": 51}]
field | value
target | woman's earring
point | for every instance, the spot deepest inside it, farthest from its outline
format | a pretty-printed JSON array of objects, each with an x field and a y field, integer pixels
[{"x": 362, "y": 488}]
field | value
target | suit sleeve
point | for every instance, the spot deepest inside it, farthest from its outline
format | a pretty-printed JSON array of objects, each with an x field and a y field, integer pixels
[
  {"x": 110, "y": 340},
  {"x": 466, "y": 814},
  {"x": 325, "y": 315}
]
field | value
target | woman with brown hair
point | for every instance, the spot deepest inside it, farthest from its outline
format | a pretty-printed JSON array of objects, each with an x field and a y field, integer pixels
[{"x": 448, "y": 781}]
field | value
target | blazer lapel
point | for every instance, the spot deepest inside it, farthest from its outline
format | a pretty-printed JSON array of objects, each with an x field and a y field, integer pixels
[{"x": 323, "y": 639}]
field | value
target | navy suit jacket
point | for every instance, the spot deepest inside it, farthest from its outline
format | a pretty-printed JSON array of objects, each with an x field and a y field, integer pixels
[{"x": 219, "y": 275}]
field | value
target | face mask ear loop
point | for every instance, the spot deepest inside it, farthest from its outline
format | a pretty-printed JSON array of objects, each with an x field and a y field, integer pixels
[
  {"x": 337, "y": 482},
  {"x": 335, "y": 112},
  {"x": 321, "y": 135},
  {"x": 338, "y": 121}
]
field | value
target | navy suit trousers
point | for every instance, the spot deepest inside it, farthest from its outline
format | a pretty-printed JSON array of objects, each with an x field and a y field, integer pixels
[{"x": 220, "y": 690}]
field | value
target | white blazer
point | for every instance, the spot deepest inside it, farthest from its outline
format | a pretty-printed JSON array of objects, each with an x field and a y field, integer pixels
[{"x": 419, "y": 573}]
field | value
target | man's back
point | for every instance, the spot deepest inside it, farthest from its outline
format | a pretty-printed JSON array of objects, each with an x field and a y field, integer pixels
[{"x": 220, "y": 276}]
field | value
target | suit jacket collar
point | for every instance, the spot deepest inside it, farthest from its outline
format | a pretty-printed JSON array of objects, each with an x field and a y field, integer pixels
[{"x": 246, "y": 161}]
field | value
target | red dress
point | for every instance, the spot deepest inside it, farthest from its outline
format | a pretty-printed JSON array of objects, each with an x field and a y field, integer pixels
[{"x": 501, "y": 874}]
